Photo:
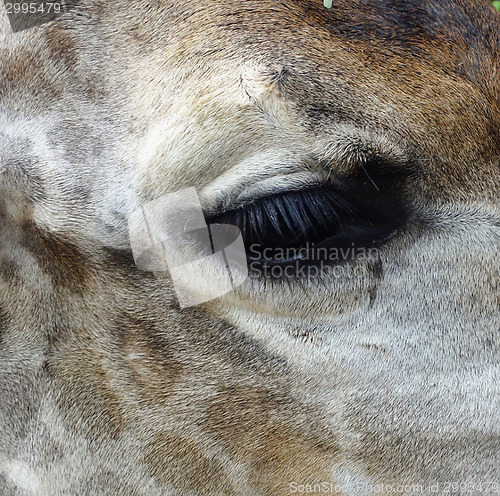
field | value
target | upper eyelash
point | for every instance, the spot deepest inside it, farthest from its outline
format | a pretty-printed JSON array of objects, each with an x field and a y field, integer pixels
[{"x": 305, "y": 212}]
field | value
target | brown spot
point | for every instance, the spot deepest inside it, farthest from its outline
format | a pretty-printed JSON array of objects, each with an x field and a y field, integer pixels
[
  {"x": 85, "y": 396},
  {"x": 151, "y": 358},
  {"x": 178, "y": 461},
  {"x": 59, "y": 258},
  {"x": 9, "y": 270},
  {"x": 23, "y": 73},
  {"x": 271, "y": 435},
  {"x": 280, "y": 440},
  {"x": 62, "y": 46}
]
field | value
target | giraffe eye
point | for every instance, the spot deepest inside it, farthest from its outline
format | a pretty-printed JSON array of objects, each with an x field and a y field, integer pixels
[
  {"x": 291, "y": 219},
  {"x": 330, "y": 216},
  {"x": 361, "y": 210}
]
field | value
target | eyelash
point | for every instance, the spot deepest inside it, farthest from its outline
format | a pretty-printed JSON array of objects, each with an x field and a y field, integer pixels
[
  {"x": 293, "y": 218},
  {"x": 363, "y": 210}
]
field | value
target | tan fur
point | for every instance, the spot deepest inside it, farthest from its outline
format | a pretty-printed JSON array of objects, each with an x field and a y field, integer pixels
[{"x": 385, "y": 374}]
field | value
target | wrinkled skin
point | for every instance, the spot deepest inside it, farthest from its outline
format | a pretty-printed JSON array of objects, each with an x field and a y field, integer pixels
[{"x": 385, "y": 373}]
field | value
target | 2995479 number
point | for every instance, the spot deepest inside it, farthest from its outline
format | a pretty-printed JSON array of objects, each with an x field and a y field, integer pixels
[{"x": 33, "y": 8}]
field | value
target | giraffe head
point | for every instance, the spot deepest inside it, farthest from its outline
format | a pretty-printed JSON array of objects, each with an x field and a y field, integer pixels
[{"x": 353, "y": 147}]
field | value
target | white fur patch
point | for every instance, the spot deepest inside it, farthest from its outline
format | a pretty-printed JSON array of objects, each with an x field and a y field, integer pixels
[{"x": 21, "y": 475}]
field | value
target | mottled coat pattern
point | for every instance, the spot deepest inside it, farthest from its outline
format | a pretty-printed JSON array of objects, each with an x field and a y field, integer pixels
[{"x": 389, "y": 374}]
